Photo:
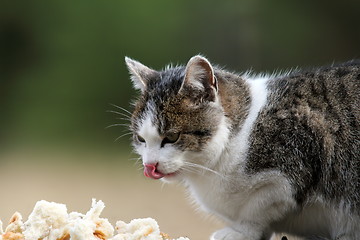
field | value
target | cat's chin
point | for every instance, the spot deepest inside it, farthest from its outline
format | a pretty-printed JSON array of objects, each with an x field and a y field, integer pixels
[{"x": 172, "y": 177}]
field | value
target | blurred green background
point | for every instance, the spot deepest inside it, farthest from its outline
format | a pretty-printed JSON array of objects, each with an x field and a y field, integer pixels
[
  {"x": 62, "y": 66},
  {"x": 61, "y": 62}
]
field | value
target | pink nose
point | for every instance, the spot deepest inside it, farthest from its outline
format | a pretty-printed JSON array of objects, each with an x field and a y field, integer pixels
[{"x": 150, "y": 170}]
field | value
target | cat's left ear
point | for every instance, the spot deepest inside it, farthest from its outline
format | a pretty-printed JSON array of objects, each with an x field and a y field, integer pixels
[
  {"x": 140, "y": 74},
  {"x": 199, "y": 75}
]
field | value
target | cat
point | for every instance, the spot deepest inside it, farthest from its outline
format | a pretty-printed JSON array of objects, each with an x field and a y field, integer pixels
[{"x": 264, "y": 153}]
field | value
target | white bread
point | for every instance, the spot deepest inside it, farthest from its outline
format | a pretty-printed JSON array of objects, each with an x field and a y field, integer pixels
[{"x": 50, "y": 221}]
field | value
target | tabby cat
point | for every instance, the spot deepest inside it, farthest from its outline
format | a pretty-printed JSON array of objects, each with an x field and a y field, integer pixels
[{"x": 265, "y": 153}]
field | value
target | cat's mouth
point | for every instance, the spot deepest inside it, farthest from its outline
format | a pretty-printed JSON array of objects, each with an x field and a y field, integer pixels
[{"x": 151, "y": 171}]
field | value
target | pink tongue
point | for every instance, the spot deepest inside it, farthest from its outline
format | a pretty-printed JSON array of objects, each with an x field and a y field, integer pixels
[{"x": 150, "y": 171}]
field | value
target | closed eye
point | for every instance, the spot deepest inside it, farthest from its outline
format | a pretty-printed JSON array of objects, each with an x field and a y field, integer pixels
[
  {"x": 200, "y": 133},
  {"x": 140, "y": 139},
  {"x": 170, "y": 138}
]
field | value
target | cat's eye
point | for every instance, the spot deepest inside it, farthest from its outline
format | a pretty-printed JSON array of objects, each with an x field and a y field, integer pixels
[
  {"x": 170, "y": 138},
  {"x": 140, "y": 138}
]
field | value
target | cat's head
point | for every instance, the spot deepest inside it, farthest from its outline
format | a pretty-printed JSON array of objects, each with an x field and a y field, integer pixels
[{"x": 178, "y": 123}]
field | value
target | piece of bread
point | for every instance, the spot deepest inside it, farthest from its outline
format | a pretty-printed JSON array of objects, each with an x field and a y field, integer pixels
[{"x": 50, "y": 221}]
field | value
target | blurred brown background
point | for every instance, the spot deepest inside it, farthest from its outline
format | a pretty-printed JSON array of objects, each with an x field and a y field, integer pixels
[{"x": 61, "y": 68}]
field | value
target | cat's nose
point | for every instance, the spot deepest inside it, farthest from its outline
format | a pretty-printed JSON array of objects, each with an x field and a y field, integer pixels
[{"x": 150, "y": 170}]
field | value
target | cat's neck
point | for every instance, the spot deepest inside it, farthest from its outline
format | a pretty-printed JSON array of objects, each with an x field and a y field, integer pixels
[
  {"x": 242, "y": 98},
  {"x": 235, "y": 98}
]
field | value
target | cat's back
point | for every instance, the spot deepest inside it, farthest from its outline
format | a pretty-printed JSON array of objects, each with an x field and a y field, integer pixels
[
  {"x": 309, "y": 130},
  {"x": 318, "y": 88},
  {"x": 325, "y": 99}
]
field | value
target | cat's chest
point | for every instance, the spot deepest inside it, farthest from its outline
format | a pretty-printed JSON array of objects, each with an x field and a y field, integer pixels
[{"x": 214, "y": 195}]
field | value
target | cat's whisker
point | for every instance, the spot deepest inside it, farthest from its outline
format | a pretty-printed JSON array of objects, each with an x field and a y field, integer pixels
[
  {"x": 123, "y": 135},
  {"x": 118, "y": 124},
  {"x": 192, "y": 169},
  {"x": 120, "y": 113},
  {"x": 125, "y": 119},
  {"x": 137, "y": 161},
  {"x": 162, "y": 186},
  {"x": 206, "y": 169},
  {"x": 121, "y": 108}
]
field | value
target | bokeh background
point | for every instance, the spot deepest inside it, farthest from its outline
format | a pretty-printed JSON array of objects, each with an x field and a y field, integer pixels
[{"x": 62, "y": 71}]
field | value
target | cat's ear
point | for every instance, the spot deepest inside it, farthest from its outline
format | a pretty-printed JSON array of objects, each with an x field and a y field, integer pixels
[
  {"x": 140, "y": 74},
  {"x": 199, "y": 75}
]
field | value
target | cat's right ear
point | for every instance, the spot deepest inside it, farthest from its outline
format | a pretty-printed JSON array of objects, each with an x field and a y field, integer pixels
[
  {"x": 140, "y": 74},
  {"x": 199, "y": 75}
]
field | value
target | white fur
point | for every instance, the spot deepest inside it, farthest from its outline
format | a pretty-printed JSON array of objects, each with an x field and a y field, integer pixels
[
  {"x": 217, "y": 181},
  {"x": 258, "y": 93},
  {"x": 245, "y": 202},
  {"x": 250, "y": 203},
  {"x": 134, "y": 68},
  {"x": 168, "y": 158},
  {"x": 217, "y": 144},
  {"x": 149, "y": 132},
  {"x": 138, "y": 73}
]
